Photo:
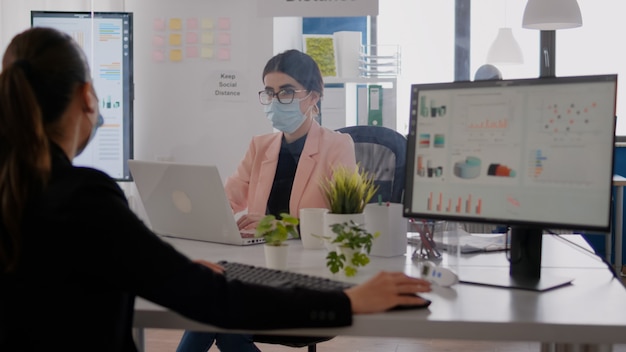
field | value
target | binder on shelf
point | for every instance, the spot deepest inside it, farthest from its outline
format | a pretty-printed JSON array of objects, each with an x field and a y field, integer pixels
[{"x": 375, "y": 105}]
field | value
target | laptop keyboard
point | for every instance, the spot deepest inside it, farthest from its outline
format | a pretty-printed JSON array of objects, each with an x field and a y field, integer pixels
[{"x": 279, "y": 278}]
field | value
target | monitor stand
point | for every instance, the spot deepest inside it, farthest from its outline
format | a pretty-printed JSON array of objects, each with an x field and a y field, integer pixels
[{"x": 525, "y": 265}]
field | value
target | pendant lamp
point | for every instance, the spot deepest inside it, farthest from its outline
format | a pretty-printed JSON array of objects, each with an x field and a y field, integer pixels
[
  {"x": 552, "y": 14},
  {"x": 505, "y": 49}
]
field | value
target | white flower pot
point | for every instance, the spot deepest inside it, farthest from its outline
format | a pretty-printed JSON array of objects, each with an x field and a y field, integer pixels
[
  {"x": 276, "y": 256},
  {"x": 330, "y": 219}
]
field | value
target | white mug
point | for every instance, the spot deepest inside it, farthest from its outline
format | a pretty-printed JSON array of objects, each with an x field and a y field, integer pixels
[{"x": 312, "y": 222}]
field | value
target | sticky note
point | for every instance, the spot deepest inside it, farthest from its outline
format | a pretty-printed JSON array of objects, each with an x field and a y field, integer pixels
[
  {"x": 223, "y": 54},
  {"x": 206, "y": 53},
  {"x": 158, "y": 24},
  {"x": 223, "y": 23},
  {"x": 192, "y": 52},
  {"x": 176, "y": 24},
  {"x": 207, "y": 38},
  {"x": 207, "y": 23},
  {"x": 158, "y": 56},
  {"x": 176, "y": 39},
  {"x": 192, "y": 24},
  {"x": 176, "y": 55},
  {"x": 191, "y": 37},
  {"x": 158, "y": 40},
  {"x": 223, "y": 38}
]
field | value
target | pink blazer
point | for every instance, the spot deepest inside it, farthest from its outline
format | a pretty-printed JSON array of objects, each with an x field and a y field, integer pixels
[{"x": 249, "y": 187}]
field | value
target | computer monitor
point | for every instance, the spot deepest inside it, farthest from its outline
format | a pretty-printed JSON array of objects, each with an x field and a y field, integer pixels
[
  {"x": 107, "y": 40},
  {"x": 533, "y": 154}
]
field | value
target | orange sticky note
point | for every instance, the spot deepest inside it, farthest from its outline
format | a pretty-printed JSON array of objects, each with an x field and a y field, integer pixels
[
  {"x": 176, "y": 55},
  {"x": 176, "y": 39},
  {"x": 176, "y": 24}
]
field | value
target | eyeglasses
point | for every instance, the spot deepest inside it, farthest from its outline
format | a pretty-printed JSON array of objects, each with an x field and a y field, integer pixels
[{"x": 284, "y": 96}]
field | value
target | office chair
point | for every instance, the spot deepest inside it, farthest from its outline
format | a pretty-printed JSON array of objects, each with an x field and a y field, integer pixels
[{"x": 381, "y": 152}]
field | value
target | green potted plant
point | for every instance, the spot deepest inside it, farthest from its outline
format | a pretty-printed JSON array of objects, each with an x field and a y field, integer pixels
[
  {"x": 353, "y": 245},
  {"x": 348, "y": 190},
  {"x": 276, "y": 232},
  {"x": 346, "y": 193}
]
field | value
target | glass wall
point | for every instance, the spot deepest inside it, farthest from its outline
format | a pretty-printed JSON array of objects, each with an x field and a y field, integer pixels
[{"x": 425, "y": 31}]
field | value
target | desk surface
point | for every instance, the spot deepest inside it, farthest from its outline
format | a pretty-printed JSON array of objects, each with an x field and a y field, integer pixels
[{"x": 590, "y": 310}]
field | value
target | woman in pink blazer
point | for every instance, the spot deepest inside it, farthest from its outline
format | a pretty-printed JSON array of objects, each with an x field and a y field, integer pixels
[{"x": 282, "y": 171}]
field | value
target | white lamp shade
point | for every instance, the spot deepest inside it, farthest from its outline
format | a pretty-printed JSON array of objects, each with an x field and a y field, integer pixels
[
  {"x": 505, "y": 49},
  {"x": 552, "y": 14}
]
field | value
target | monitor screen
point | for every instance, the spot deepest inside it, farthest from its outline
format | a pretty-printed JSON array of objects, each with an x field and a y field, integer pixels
[
  {"x": 107, "y": 40},
  {"x": 529, "y": 153}
]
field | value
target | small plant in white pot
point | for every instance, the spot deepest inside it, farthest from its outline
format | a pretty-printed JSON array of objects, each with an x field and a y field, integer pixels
[
  {"x": 353, "y": 245},
  {"x": 276, "y": 232},
  {"x": 346, "y": 192}
]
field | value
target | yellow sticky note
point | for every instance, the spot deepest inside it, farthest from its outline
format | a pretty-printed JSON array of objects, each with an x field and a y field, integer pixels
[
  {"x": 176, "y": 24},
  {"x": 207, "y": 38},
  {"x": 176, "y": 39},
  {"x": 176, "y": 55},
  {"x": 206, "y": 53},
  {"x": 207, "y": 23}
]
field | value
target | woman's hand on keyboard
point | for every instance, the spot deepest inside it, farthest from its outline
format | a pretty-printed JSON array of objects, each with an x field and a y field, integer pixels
[
  {"x": 387, "y": 290},
  {"x": 213, "y": 266}
]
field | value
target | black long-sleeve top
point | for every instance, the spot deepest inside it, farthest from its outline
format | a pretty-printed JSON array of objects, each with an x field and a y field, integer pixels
[{"x": 86, "y": 256}]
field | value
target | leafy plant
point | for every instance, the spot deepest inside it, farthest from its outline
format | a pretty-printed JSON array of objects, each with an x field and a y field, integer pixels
[
  {"x": 348, "y": 190},
  {"x": 353, "y": 240},
  {"x": 276, "y": 231}
]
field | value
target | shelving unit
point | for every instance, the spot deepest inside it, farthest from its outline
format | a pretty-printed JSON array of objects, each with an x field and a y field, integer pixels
[{"x": 345, "y": 101}]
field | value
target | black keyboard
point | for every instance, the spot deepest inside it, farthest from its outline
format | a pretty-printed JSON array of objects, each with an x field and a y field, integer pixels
[{"x": 279, "y": 278}]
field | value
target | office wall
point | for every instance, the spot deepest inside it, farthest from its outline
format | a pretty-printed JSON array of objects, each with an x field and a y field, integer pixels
[{"x": 178, "y": 116}]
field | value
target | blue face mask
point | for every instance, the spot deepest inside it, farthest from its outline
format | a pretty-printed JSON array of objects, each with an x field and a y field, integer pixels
[
  {"x": 94, "y": 129},
  {"x": 285, "y": 117}
]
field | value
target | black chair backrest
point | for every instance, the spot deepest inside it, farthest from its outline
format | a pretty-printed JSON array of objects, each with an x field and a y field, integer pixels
[{"x": 381, "y": 152}]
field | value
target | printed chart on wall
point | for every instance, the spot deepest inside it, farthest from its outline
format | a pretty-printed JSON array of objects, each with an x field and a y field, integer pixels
[{"x": 178, "y": 39}]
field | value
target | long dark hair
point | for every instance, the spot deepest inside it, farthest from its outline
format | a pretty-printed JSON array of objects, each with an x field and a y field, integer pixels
[
  {"x": 42, "y": 68},
  {"x": 300, "y": 67}
]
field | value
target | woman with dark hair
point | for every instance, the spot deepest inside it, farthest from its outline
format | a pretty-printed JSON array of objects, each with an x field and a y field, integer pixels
[
  {"x": 73, "y": 256},
  {"x": 281, "y": 171}
]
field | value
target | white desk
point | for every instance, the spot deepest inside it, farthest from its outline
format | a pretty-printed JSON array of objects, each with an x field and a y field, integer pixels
[{"x": 590, "y": 311}]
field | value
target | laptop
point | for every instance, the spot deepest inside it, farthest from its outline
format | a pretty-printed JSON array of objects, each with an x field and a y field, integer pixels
[{"x": 188, "y": 201}]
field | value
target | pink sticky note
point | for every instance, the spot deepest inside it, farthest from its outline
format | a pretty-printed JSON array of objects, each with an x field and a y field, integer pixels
[
  {"x": 158, "y": 40},
  {"x": 223, "y": 23},
  {"x": 192, "y": 52},
  {"x": 191, "y": 37},
  {"x": 223, "y": 38},
  {"x": 192, "y": 24},
  {"x": 159, "y": 24},
  {"x": 158, "y": 56},
  {"x": 223, "y": 54}
]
